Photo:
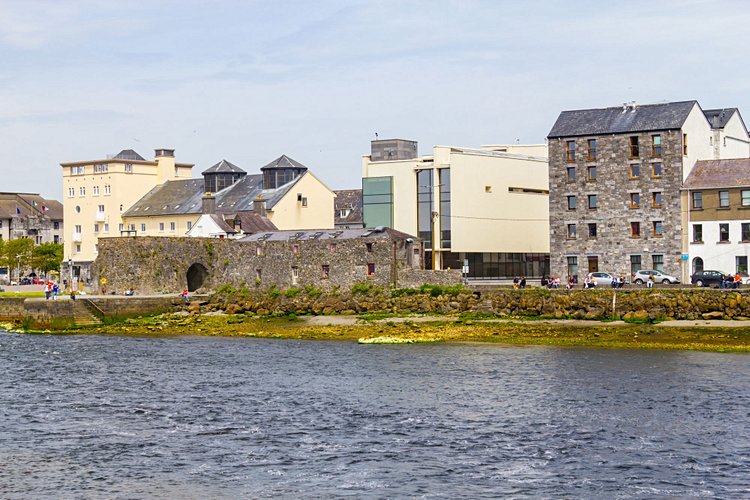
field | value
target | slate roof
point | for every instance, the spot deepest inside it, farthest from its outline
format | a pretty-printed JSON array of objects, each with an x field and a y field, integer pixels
[
  {"x": 328, "y": 234},
  {"x": 709, "y": 174},
  {"x": 251, "y": 223},
  {"x": 223, "y": 166},
  {"x": 284, "y": 161},
  {"x": 29, "y": 204},
  {"x": 185, "y": 197},
  {"x": 621, "y": 119},
  {"x": 348, "y": 199},
  {"x": 219, "y": 220},
  {"x": 129, "y": 154}
]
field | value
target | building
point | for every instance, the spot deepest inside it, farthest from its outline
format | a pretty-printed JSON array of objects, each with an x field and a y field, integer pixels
[
  {"x": 28, "y": 215},
  {"x": 97, "y": 192},
  {"x": 615, "y": 180},
  {"x": 717, "y": 197},
  {"x": 286, "y": 193},
  {"x": 486, "y": 207},
  {"x": 348, "y": 209}
]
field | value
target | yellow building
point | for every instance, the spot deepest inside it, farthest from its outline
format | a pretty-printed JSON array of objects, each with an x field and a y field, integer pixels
[
  {"x": 485, "y": 207},
  {"x": 285, "y": 192},
  {"x": 97, "y": 192}
]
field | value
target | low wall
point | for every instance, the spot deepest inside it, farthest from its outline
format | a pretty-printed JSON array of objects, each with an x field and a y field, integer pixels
[
  {"x": 135, "y": 306},
  {"x": 11, "y": 308}
]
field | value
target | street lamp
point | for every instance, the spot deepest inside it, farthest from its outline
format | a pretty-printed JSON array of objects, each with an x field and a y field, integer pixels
[
  {"x": 70, "y": 271},
  {"x": 18, "y": 282}
]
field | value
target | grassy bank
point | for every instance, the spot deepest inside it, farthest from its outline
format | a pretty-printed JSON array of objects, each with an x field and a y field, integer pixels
[{"x": 446, "y": 329}]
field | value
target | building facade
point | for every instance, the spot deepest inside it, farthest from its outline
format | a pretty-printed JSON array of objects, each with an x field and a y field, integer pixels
[
  {"x": 485, "y": 207},
  {"x": 717, "y": 197},
  {"x": 97, "y": 192},
  {"x": 348, "y": 209},
  {"x": 616, "y": 176}
]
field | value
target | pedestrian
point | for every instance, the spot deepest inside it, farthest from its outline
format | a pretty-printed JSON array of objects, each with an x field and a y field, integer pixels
[
  {"x": 571, "y": 282},
  {"x": 650, "y": 281},
  {"x": 55, "y": 290},
  {"x": 185, "y": 296},
  {"x": 621, "y": 283},
  {"x": 614, "y": 282},
  {"x": 47, "y": 290}
]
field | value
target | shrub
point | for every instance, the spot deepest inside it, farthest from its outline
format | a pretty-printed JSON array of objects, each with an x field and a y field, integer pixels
[
  {"x": 361, "y": 288},
  {"x": 291, "y": 292},
  {"x": 313, "y": 292}
]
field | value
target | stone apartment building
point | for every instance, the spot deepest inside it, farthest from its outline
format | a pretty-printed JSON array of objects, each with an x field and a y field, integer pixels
[{"x": 615, "y": 177}]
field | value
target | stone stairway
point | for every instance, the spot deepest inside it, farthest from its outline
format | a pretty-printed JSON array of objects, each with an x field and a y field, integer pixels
[{"x": 83, "y": 315}]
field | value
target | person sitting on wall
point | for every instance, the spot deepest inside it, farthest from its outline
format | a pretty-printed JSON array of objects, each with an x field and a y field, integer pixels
[
  {"x": 522, "y": 283},
  {"x": 130, "y": 292},
  {"x": 515, "y": 282},
  {"x": 185, "y": 296},
  {"x": 737, "y": 281}
]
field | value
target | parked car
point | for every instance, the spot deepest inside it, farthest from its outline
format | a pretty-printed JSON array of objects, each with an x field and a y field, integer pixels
[
  {"x": 640, "y": 277},
  {"x": 707, "y": 278},
  {"x": 602, "y": 279}
]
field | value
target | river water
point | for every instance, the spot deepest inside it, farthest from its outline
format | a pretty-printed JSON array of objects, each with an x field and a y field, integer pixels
[{"x": 197, "y": 417}]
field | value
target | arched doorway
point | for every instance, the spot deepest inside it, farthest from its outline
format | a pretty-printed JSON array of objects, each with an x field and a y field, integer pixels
[
  {"x": 697, "y": 265},
  {"x": 196, "y": 275}
]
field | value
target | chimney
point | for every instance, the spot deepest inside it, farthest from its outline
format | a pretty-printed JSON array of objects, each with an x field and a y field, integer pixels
[
  {"x": 209, "y": 204},
  {"x": 259, "y": 206}
]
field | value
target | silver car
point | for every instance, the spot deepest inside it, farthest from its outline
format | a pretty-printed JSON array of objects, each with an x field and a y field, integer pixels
[
  {"x": 640, "y": 277},
  {"x": 602, "y": 279}
]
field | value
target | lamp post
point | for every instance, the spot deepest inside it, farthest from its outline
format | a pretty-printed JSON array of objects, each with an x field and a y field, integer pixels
[
  {"x": 18, "y": 279},
  {"x": 70, "y": 271}
]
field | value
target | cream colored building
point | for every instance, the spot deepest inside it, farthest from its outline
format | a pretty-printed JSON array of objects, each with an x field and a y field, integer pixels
[
  {"x": 285, "y": 192},
  {"x": 97, "y": 192},
  {"x": 487, "y": 206}
]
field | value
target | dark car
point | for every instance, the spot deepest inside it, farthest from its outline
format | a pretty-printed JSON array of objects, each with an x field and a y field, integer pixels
[{"x": 708, "y": 278}]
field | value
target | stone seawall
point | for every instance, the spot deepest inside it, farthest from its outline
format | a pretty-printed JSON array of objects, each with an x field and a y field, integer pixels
[{"x": 11, "y": 308}]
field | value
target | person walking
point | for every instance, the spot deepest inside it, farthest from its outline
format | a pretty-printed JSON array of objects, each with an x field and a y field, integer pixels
[
  {"x": 47, "y": 290},
  {"x": 55, "y": 290}
]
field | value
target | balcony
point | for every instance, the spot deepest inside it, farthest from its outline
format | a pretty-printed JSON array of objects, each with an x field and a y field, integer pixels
[
  {"x": 100, "y": 217},
  {"x": 77, "y": 237}
]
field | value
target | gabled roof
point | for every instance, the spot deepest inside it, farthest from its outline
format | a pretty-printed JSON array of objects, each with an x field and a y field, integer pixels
[
  {"x": 284, "y": 161},
  {"x": 29, "y": 204},
  {"x": 223, "y": 166},
  {"x": 710, "y": 174},
  {"x": 350, "y": 199},
  {"x": 717, "y": 118},
  {"x": 622, "y": 119},
  {"x": 129, "y": 154},
  {"x": 251, "y": 222}
]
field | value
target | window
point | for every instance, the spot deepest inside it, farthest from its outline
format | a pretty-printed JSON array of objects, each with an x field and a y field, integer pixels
[
  {"x": 723, "y": 232},
  {"x": 635, "y": 229},
  {"x": 592, "y": 230},
  {"x": 572, "y": 266},
  {"x": 344, "y": 212},
  {"x": 656, "y": 169},
  {"x": 78, "y": 209},
  {"x": 658, "y": 262},
  {"x": 55, "y": 225},
  {"x": 161, "y": 227},
  {"x": 106, "y": 228},
  {"x": 326, "y": 270},
  {"x": 71, "y": 192},
  {"x": 100, "y": 209},
  {"x": 304, "y": 201},
  {"x": 741, "y": 264},
  {"x": 591, "y": 149},
  {"x": 295, "y": 275},
  {"x": 258, "y": 274},
  {"x": 78, "y": 228},
  {"x": 697, "y": 233},
  {"x": 635, "y": 170},
  {"x": 634, "y": 152},
  {"x": 128, "y": 168},
  {"x": 592, "y": 201},
  {"x": 571, "y": 173},
  {"x": 570, "y": 151},
  {"x": 95, "y": 190},
  {"x": 593, "y": 262},
  {"x": 96, "y": 228},
  {"x": 635, "y": 200},
  {"x": 370, "y": 269},
  {"x": 172, "y": 226},
  {"x": 684, "y": 144},
  {"x": 571, "y": 231},
  {"x": 635, "y": 264},
  {"x": 656, "y": 146},
  {"x": 82, "y": 191},
  {"x": 131, "y": 227},
  {"x": 189, "y": 225},
  {"x": 369, "y": 247},
  {"x": 656, "y": 199},
  {"x": 78, "y": 248},
  {"x": 107, "y": 189},
  {"x": 332, "y": 248},
  {"x": 592, "y": 172},
  {"x": 571, "y": 202},
  {"x": 77, "y": 170},
  {"x": 658, "y": 228},
  {"x": 101, "y": 168},
  {"x": 745, "y": 231},
  {"x": 723, "y": 199},
  {"x": 143, "y": 228},
  {"x": 121, "y": 227},
  {"x": 698, "y": 200},
  {"x": 745, "y": 197}
]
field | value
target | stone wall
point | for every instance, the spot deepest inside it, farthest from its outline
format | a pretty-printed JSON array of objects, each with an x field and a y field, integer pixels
[
  {"x": 161, "y": 265},
  {"x": 11, "y": 308},
  {"x": 613, "y": 244}
]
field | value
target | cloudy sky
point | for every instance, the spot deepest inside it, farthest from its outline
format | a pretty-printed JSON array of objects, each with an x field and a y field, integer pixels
[{"x": 247, "y": 81}]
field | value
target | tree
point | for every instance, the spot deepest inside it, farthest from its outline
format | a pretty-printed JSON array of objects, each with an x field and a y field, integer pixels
[
  {"x": 47, "y": 257},
  {"x": 17, "y": 248}
]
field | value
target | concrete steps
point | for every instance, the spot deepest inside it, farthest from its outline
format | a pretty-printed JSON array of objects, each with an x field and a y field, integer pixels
[{"x": 82, "y": 314}]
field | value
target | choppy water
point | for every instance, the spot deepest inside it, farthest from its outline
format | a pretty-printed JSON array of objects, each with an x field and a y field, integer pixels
[{"x": 197, "y": 417}]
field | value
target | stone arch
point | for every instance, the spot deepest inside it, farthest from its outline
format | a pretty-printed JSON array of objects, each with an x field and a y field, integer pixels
[
  {"x": 196, "y": 275},
  {"x": 697, "y": 265}
]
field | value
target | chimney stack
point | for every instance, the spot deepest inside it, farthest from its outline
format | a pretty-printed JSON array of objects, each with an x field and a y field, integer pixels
[
  {"x": 209, "y": 204},
  {"x": 259, "y": 206}
]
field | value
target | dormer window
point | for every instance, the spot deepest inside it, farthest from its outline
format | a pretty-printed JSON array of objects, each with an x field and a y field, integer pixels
[{"x": 344, "y": 212}]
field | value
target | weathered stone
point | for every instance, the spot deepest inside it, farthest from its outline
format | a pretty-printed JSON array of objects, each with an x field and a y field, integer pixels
[{"x": 713, "y": 315}]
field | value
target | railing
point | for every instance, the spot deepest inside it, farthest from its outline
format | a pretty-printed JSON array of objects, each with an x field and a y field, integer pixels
[{"x": 77, "y": 237}]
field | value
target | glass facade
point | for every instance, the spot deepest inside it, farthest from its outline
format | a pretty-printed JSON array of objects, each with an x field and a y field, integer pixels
[
  {"x": 499, "y": 265},
  {"x": 424, "y": 206},
  {"x": 445, "y": 207},
  {"x": 377, "y": 201}
]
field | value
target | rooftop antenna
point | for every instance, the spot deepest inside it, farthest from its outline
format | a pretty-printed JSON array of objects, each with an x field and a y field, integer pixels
[{"x": 376, "y": 136}]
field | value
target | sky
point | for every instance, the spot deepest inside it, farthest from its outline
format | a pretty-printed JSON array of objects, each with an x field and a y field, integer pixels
[{"x": 248, "y": 81}]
